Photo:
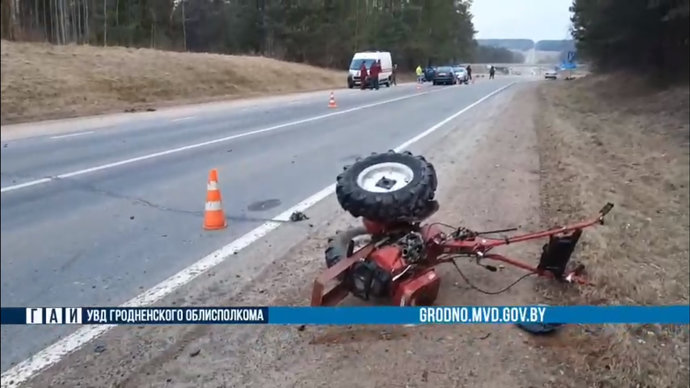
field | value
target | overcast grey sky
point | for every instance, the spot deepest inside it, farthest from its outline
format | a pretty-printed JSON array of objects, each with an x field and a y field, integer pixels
[{"x": 521, "y": 19}]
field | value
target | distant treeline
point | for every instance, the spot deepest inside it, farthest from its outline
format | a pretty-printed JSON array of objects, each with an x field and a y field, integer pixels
[
  {"x": 510, "y": 44},
  {"x": 318, "y": 32},
  {"x": 634, "y": 34},
  {"x": 489, "y": 54},
  {"x": 528, "y": 44},
  {"x": 564, "y": 45}
]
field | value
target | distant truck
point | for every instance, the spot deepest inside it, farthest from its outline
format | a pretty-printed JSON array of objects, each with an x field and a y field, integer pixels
[{"x": 369, "y": 57}]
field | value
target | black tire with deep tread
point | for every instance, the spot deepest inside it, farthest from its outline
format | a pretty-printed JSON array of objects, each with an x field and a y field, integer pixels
[
  {"x": 409, "y": 202},
  {"x": 342, "y": 245}
]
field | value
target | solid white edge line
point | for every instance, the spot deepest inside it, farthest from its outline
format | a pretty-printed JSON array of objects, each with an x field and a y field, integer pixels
[
  {"x": 205, "y": 143},
  {"x": 26, "y": 369}
]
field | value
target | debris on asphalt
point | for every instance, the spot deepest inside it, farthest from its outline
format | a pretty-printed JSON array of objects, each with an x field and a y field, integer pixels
[
  {"x": 301, "y": 327},
  {"x": 195, "y": 353},
  {"x": 99, "y": 349},
  {"x": 297, "y": 216}
]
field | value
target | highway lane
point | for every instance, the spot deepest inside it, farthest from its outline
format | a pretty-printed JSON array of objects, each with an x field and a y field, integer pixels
[
  {"x": 148, "y": 135},
  {"x": 103, "y": 237},
  {"x": 290, "y": 105}
]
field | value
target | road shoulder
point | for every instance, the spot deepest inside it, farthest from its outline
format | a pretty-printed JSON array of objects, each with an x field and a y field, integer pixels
[{"x": 486, "y": 149}]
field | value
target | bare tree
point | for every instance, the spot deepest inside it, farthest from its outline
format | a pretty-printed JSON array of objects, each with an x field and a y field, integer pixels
[
  {"x": 62, "y": 22},
  {"x": 53, "y": 25},
  {"x": 37, "y": 23},
  {"x": 184, "y": 27},
  {"x": 79, "y": 26},
  {"x": 105, "y": 23},
  {"x": 86, "y": 21}
]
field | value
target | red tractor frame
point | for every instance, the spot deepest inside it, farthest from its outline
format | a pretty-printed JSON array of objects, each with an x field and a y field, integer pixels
[{"x": 408, "y": 270}]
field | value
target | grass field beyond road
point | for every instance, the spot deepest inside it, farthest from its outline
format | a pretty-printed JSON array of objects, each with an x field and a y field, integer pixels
[{"x": 42, "y": 81}]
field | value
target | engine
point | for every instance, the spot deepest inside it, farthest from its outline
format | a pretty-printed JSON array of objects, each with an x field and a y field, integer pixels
[
  {"x": 367, "y": 280},
  {"x": 374, "y": 276}
]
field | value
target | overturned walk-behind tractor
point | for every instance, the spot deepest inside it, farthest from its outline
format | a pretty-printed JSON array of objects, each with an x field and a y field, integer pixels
[{"x": 393, "y": 193}]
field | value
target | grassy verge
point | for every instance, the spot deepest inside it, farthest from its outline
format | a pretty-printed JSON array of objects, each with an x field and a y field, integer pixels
[{"x": 617, "y": 139}]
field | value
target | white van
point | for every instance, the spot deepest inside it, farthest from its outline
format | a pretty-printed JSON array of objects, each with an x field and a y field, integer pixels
[{"x": 369, "y": 57}]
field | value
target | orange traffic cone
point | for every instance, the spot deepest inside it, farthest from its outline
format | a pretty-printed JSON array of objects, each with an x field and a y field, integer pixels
[
  {"x": 331, "y": 101},
  {"x": 214, "y": 217}
]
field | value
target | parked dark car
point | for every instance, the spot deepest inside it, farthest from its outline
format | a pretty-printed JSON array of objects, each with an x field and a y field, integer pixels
[
  {"x": 429, "y": 74},
  {"x": 444, "y": 75}
]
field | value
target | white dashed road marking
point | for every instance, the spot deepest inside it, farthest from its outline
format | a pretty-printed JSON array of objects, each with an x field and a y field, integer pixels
[{"x": 71, "y": 135}]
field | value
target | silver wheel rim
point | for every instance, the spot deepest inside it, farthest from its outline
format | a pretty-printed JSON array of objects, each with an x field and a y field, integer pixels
[{"x": 385, "y": 177}]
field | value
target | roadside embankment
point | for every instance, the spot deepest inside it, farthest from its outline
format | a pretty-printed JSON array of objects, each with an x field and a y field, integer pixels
[{"x": 42, "y": 81}]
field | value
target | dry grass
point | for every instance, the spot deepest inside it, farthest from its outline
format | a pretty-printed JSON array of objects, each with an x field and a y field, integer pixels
[
  {"x": 618, "y": 139},
  {"x": 41, "y": 81}
]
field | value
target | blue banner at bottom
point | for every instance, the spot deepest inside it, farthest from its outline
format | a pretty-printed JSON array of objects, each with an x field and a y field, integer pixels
[
  {"x": 679, "y": 314},
  {"x": 480, "y": 315}
]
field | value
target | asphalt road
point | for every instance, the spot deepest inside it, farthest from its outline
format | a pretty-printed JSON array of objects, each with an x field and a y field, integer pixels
[{"x": 98, "y": 216}]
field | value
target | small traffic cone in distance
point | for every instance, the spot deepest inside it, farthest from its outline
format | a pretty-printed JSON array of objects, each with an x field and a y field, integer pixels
[
  {"x": 214, "y": 217},
  {"x": 331, "y": 101}
]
